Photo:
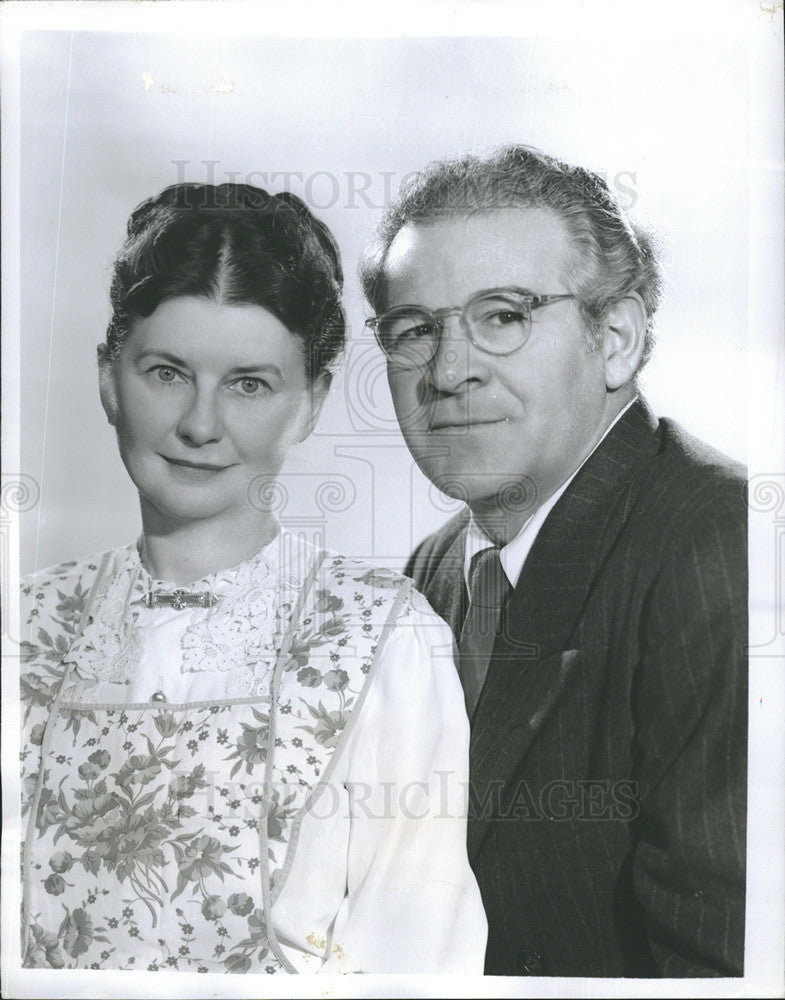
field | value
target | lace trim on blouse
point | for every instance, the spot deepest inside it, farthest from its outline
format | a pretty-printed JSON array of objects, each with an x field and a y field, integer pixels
[{"x": 239, "y": 636}]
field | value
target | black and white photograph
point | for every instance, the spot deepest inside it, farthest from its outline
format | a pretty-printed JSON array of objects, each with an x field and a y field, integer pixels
[{"x": 393, "y": 499}]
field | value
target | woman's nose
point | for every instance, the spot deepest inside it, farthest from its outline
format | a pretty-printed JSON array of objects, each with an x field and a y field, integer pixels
[{"x": 201, "y": 422}]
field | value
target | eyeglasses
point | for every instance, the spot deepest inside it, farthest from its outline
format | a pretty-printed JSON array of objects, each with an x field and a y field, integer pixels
[{"x": 497, "y": 321}]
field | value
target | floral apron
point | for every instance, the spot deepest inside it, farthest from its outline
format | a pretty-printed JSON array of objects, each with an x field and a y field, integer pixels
[{"x": 160, "y": 835}]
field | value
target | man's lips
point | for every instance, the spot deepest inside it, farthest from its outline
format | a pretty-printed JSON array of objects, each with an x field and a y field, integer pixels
[{"x": 463, "y": 423}]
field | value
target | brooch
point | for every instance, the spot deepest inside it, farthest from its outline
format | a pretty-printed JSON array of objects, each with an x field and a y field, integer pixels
[{"x": 179, "y": 599}]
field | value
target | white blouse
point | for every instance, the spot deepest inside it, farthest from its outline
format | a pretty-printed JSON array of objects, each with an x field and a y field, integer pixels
[{"x": 333, "y": 686}]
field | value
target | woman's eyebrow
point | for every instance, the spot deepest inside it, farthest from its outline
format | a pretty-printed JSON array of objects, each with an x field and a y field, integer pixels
[
  {"x": 261, "y": 367},
  {"x": 165, "y": 355}
]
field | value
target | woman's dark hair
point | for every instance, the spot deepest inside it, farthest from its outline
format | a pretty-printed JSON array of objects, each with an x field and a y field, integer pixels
[{"x": 235, "y": 244}]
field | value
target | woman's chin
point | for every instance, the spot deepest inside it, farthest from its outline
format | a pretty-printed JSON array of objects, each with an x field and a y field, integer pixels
[{"x": 180, "y": 509}]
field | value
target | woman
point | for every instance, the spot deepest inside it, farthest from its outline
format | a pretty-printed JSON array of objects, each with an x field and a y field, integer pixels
[{"x": 240, "y": 753}]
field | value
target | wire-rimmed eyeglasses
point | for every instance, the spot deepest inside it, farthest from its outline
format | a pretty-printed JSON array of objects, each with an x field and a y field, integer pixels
[{"x": 496, "y": 320}]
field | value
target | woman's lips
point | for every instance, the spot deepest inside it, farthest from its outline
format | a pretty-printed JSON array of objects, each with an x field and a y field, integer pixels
[
  {"x": 193, "y": 469},
  {"x": 195, "y": 465}
]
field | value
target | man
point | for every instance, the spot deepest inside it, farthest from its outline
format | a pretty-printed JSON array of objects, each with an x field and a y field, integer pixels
[{"x": 606, "y": 550}]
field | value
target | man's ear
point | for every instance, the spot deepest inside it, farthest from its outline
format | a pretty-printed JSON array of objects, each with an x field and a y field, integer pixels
[
  {"x": 624, "y": 339},
  {"x": 318, "y": 390},
  {"x": 107, "y": 384}
]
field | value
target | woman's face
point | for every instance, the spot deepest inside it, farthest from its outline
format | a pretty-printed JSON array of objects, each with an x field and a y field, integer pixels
[{"x": 207, "y": 399}]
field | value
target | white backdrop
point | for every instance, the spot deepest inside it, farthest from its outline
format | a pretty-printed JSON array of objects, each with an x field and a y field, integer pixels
[
  {"x": 108, "y": 119},
  {"x": 679, "y": 104}
]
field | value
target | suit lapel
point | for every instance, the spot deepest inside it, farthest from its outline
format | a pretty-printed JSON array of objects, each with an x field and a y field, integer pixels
[
  {"x": 532, "y": 661},
  {"x": 521, "y": 700}
]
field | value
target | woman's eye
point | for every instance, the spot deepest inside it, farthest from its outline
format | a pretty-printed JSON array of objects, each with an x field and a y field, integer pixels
[
  {"x": 251, "y": 386},
  {"x": 166, "y": 374}
]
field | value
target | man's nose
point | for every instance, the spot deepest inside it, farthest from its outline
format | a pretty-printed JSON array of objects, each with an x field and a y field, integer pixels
[
  {"x": 201, "y": 421},
  {"x": 453, "y": 363}
]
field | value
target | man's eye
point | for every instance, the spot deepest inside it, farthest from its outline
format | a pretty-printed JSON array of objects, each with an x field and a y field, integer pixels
[
  {"x": 414, "y": 332},
  {"x": 504, "y": 317}
]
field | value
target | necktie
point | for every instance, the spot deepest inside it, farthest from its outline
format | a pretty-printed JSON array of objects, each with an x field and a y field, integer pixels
[{"x": 488, "y": 591}]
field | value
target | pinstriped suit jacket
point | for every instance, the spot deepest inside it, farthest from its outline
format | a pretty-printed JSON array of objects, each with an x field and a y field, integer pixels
[{"x": 609, "y": 746}]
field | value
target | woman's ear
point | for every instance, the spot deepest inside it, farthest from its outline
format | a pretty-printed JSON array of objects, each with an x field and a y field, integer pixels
[
  {"x": 107, "y": 384},
  {"x": 318, "y": 393},
  {"x": 624, "y": 339}
]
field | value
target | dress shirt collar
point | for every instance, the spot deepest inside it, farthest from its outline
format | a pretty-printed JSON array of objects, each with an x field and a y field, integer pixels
[{"x": 513, "y": 554}]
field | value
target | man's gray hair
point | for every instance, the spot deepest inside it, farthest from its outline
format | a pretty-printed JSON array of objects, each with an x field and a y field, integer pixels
[{"x": 613, "y": 256}]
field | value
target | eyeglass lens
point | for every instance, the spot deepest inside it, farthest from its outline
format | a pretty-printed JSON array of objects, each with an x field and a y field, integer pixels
[{"x": 497, "y": 323}]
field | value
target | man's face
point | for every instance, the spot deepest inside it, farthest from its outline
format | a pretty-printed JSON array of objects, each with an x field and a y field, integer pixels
[{"x": 484, "y": 428}]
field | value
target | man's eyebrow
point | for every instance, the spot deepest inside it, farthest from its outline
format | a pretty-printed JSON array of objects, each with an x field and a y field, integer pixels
[
  {"x": 520, "y": 289},
  {"x": 501, "y": 289}
]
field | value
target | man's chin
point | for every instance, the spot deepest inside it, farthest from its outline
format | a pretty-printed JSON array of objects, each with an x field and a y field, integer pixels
[
  {"x": 507, "y": 495},
  {"x": 465, "y": 488}
]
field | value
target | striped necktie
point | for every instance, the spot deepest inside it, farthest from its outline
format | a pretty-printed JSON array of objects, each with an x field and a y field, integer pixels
[{"x": 488, "y": 591}]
